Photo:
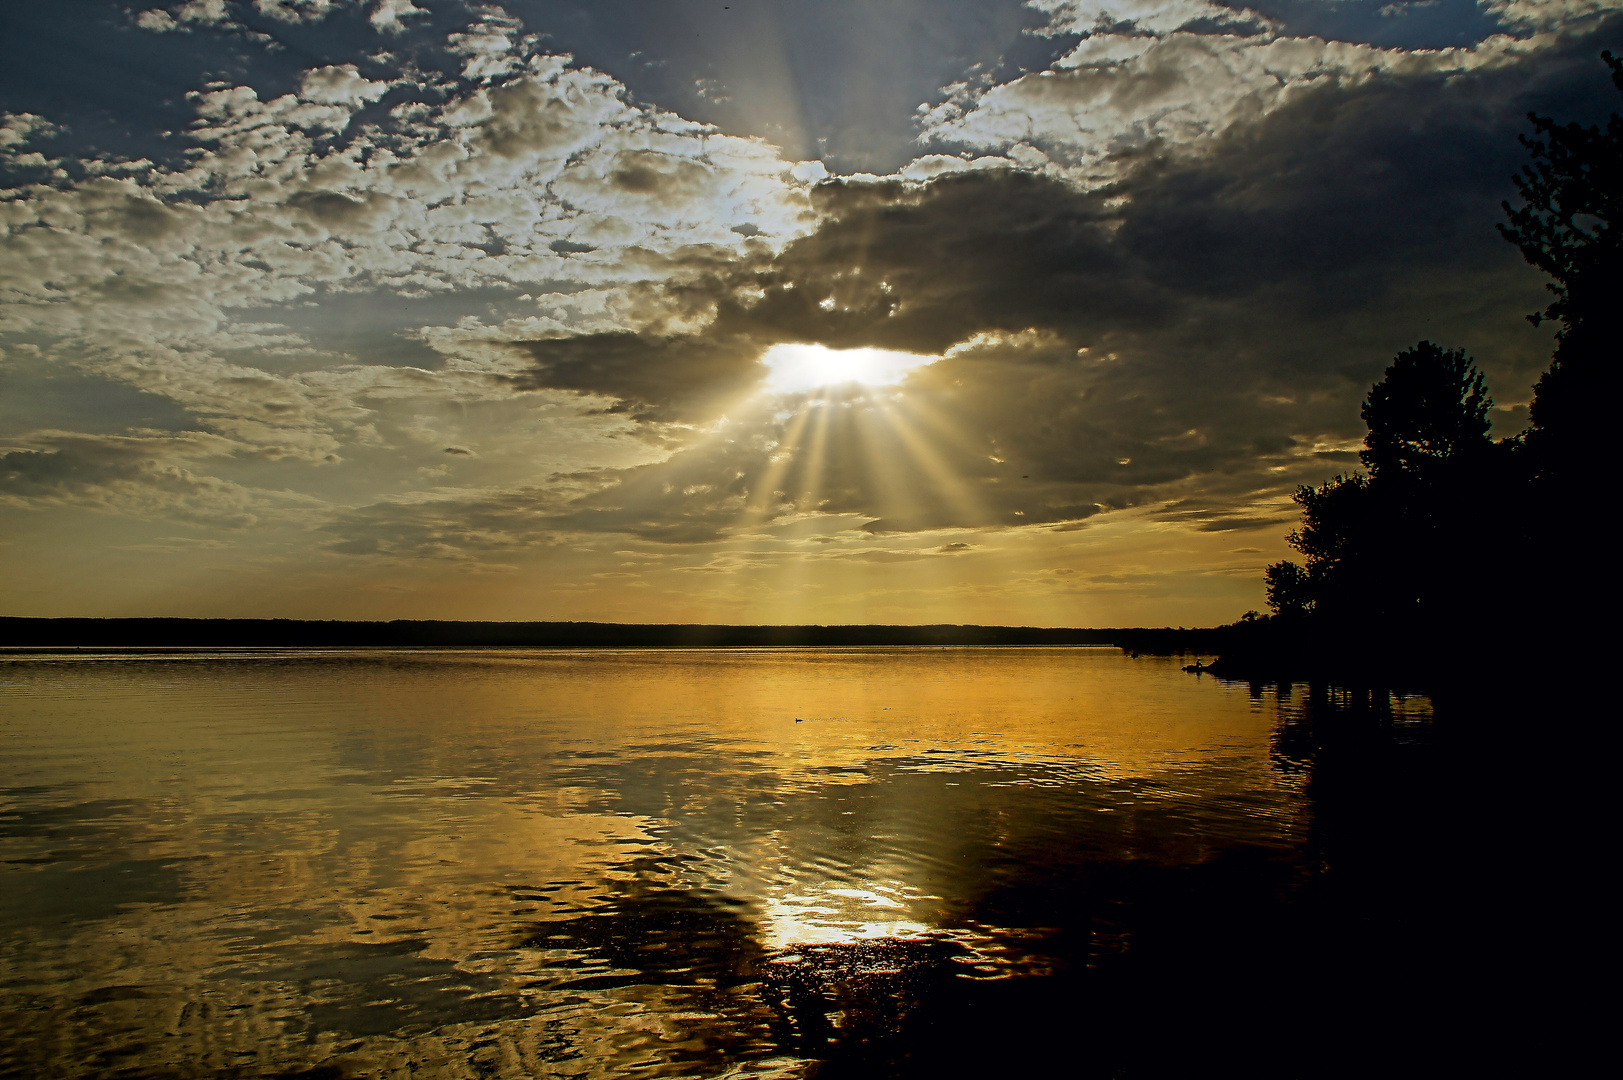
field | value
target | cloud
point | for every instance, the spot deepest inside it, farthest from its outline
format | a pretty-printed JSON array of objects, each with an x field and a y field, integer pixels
[
  {"x": 295, "y": 11},
  {"x": 457, "y": 523},
  {"x": 204, "y": 12},
  {"x": 156, "y": 20},
  {"x": 1146, "y": 76},
  {"x": 388, "y": 15},
  {"x": 339, "y": 84},
  {"x": 489, "y": 44},
  {"x": 144, "y": 277},
  {"x": 1197, "y": 334},
  {"x": 219, "y": 13},
  {"x": 16, "y": 131},
  {"x": 18, "y": 128},
  {"x": 1142, "y": 16},
  {"x": 143, "y": 476},
  {"x": 1163, "y": 280},
  {"x": 1549, "y": 14},
  {"x": 650, "y": 376}
]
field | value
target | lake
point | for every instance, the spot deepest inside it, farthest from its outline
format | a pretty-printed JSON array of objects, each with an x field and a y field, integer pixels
[{"x": 504, "y": 863}]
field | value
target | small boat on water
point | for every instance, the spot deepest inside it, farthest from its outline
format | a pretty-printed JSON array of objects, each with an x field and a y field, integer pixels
[{"x": 1197, "y": 667}]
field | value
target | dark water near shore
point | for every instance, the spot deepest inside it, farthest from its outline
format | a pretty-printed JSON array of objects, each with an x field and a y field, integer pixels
[{"x": 543, "y": 863}]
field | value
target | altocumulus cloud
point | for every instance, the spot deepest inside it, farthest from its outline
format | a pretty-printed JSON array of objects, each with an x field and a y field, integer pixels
[
  {"x": 146, "y": 475},
  {"x": 204, "y": 281}
]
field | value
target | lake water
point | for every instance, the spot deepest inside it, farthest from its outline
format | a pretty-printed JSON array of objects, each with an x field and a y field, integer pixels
[{"x": 508, "y": 863}]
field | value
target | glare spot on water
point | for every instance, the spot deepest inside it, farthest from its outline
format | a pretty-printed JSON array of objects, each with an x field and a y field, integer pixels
[{"x": 833, "y": 916}]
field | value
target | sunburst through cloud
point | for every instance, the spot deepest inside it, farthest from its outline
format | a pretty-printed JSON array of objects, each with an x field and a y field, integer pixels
[{"x": 797, "y": 368}]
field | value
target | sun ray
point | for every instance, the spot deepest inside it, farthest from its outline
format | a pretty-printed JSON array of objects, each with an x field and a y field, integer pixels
[
  {"x": 1017, "y": 550},
  {"x": 758, "y": 504},
  {"x": 895, "y": 496},
  {"x": 804, "y": 488},
  {"x": 959, "y": 495},
  {"x": 810, "y": 480}
]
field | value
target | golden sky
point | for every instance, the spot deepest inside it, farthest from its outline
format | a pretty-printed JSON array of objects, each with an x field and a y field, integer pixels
[{"x": 899, "y": 312}]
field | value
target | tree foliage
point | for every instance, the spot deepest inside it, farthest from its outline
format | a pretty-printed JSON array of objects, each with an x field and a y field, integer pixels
[
  {"x": 1449, "y": 534},
  {"x": 1387, "y": 547},
  {"x": 1430, "y": 409},
  {"x": 1568, "y": 227},
  {"x": 1289, "y": 590},
  {"x": 1572, "y": 193}
]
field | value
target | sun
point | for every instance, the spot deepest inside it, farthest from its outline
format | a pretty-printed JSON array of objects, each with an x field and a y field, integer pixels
[{"x": 798, "y": 368}]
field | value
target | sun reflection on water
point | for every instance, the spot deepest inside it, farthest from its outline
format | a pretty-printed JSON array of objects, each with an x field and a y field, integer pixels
[
  {"x": 835, "y": 915},
  {"x": 637, "y": 860}
]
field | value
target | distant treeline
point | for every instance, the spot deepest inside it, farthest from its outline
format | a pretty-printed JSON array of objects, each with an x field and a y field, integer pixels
[{"x": 297, "y": 633}]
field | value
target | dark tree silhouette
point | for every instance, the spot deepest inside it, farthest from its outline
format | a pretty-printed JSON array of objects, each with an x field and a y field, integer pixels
[
  {"x": 1427, "y": 414},
  {"x": 1451, "y": 538},
  {"x": 1393, "y": 560},
  {"x": 1572, "y": 191},
  {"x": 1378, "y": 547},
  {"x": 1568, "y": 227},
  {"x": 1290, "y": 591},
  {"x": 1327, "y": 537}
]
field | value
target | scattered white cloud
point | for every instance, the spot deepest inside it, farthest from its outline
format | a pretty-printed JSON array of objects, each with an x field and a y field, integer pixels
[
  {"x": 219, "y": 13},
  {"x": 1548, "y": 14},
  {"x": 202, "y": 11},
  {"x": 388, "y": 15},
  {"x": 295, "y": 11},
  {"x": 1117, "y": 93},
  {"x": 156, "y": 20},
  {"x": 544, "y": 179},
  {"x": 18, "y": 128},
  {"x": 1157, "y": 17},
  {"x": 340, "y": 84},
  {"x": 489, "y": 44}
]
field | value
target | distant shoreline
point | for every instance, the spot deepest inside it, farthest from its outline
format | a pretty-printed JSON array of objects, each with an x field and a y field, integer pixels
[{"x": 48, "y": 633}]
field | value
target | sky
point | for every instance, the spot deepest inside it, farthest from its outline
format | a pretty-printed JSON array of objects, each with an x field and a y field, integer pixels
[{"x": 831, "y": 311}]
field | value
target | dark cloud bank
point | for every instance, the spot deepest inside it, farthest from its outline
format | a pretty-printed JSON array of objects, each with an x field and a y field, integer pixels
[{"x": 1199, "y": 334}]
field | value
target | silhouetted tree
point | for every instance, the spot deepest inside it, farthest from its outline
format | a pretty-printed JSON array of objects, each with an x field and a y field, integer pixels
[
  {"x": 1428, "y": 414},
  {"x": 1335, "y": 516},
  {"x": 1396, "y": 553},
  {"x": 1399, "y": 562},
  {"x": 1572, "y": 193},
  {"x": 1290, "y": 591}
]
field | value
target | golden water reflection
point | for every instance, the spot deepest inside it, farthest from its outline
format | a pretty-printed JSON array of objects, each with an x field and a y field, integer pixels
[{"x": 517, "y": 863}]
